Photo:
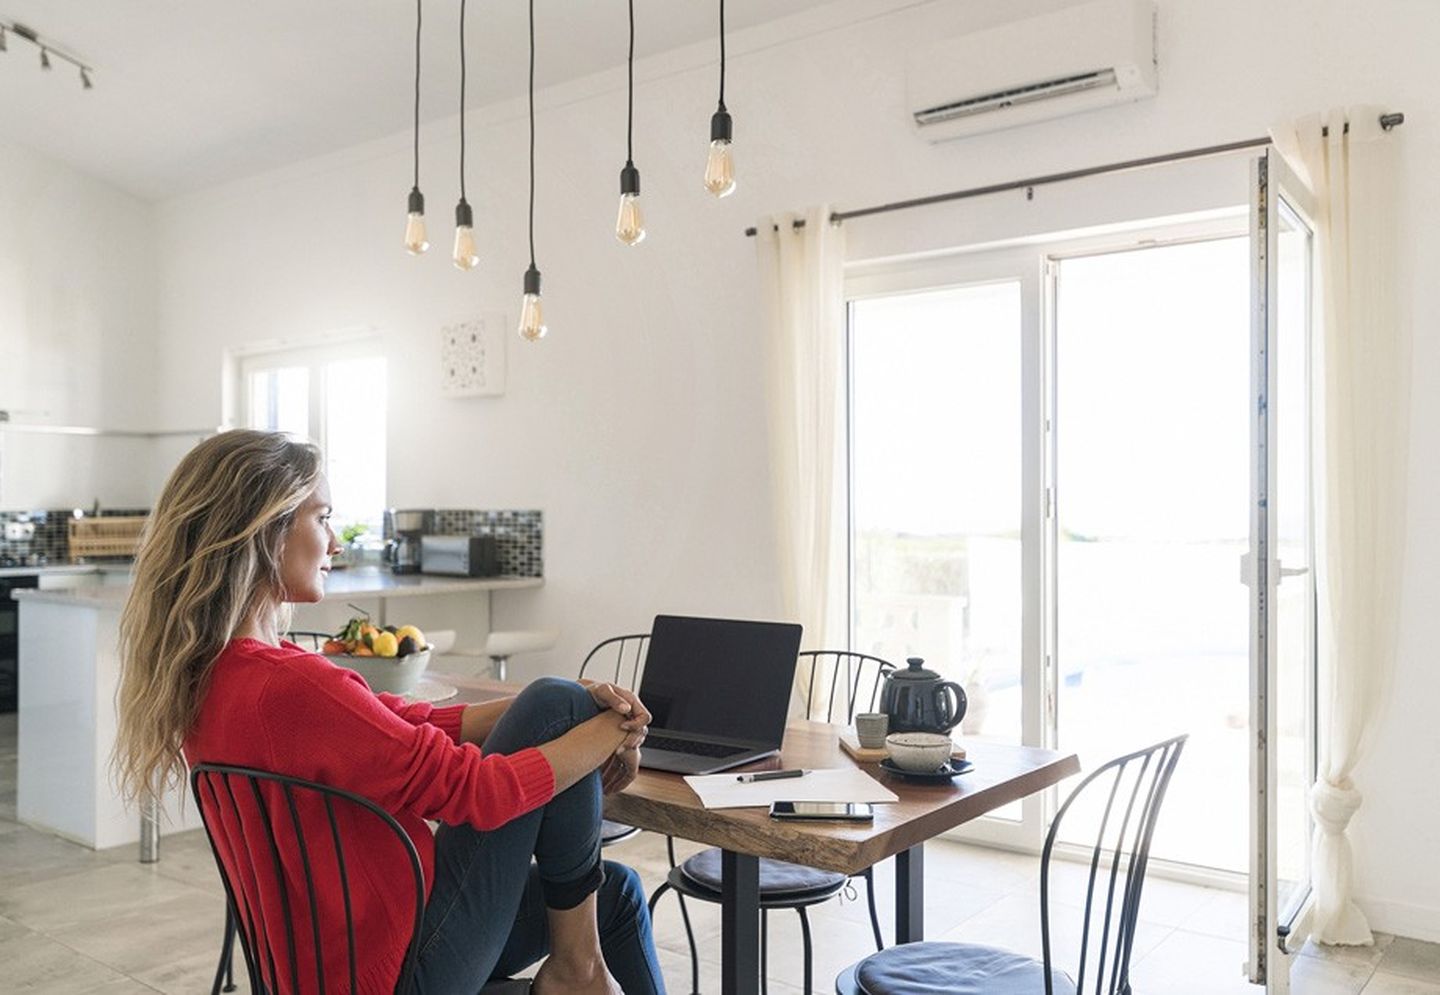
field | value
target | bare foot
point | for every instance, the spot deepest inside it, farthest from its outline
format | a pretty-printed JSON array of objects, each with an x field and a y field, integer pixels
[{"x": 560, "y": 978}]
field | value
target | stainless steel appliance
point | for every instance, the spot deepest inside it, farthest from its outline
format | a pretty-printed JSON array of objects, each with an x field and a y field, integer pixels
[
  {"x": 402, "y": 530},
  {"x": 459, "y": 555}
]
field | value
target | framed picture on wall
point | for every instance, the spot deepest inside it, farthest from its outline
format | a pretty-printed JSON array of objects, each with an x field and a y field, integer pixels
[{"x": 472, "y": 356}]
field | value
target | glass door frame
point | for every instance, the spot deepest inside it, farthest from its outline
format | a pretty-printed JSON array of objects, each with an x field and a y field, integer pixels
[
  {"x": 1275, "y": 931},
  {"x": 1020, "y": 265}
]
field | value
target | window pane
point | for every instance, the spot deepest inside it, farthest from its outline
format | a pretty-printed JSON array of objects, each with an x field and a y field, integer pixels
[
  {"x": 355, "y": 440},
  {"x": 280, "y": 400},
  {"x": 1152, "y": 488},
  {"x": 936, "y": 383}
]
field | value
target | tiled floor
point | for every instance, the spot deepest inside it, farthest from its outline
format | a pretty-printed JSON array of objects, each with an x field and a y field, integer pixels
[{"x": 75, "y": 921}]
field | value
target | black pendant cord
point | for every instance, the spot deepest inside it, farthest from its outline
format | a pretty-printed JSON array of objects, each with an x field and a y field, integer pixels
[
  {"x": 417, "y": 93},
  {"x": 462, "y": 101},
  {"x": 722, "y": 55},
  {"x": 630, "y": 82},
  {"x": 532, "y": 133}
]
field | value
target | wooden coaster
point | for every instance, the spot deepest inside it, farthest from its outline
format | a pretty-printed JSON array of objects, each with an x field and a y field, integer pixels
[{"x": 865, "y": 755}]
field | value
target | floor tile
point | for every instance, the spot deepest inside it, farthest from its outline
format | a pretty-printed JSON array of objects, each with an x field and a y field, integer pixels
[
  {"x": 35, "y": 962},
  {"x": 1383, "y": 983},
  {"x": 1412, "y": 959},
  {"x": 1368, "y": 956},
  {"x": 1192, "y": 964},
  {"x": 1321, "y": 976},
  {"x": 90, "y": 898}
]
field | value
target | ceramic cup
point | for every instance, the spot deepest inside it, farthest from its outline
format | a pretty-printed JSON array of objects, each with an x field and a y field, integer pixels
[
  {"x": 921, "y": 752},
  {"x": 870, "y": 729}
]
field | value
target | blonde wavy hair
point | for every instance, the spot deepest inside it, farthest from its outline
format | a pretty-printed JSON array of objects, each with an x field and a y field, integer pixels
[{"x": 209, "y": 562}]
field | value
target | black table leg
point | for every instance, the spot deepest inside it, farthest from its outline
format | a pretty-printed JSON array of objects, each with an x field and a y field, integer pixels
[
  {"x": 910, "y": 894},
  {"x": 739, "y": 923}
]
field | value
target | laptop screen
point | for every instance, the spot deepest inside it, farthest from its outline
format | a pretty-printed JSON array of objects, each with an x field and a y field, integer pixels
[{"x": 720, "y": 677}]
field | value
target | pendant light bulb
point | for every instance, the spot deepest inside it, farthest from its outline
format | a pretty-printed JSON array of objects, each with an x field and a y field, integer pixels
[
  {"x": 44, "y": 58},
  {"x": 416, "y": 241},
  {"x": 3, "y": 45},
  {"x": 532, "y": 317},
  {"x": 630, "y": 224},
  {"x": 464, "y": 255},
  {"x": 720, "y": 166}
]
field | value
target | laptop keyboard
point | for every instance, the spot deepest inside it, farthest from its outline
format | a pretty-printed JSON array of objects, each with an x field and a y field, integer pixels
[{"x": 691, "y": 746}]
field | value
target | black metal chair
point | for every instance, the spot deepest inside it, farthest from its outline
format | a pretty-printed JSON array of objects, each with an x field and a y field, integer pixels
[
  {"x": 308, "y": 639},
  {"x": 1117, "y": 864},
  {"x": 784, "y": 885},
  {"x": 233, "y": 799},
  {"x": 618, "y": 660}
]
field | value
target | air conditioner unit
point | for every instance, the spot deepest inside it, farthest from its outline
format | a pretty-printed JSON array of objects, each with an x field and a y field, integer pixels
[{"x": 1077, "y": 58}]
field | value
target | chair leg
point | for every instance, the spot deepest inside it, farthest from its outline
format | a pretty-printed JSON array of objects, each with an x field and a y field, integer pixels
[
  {"x": 225, "y": 970},
  {"x": 689, "y": 933},
  {"x": 764, "y": 952},
  {"x": 874, "y": 916},
  {"x": 805, "y": 937}
]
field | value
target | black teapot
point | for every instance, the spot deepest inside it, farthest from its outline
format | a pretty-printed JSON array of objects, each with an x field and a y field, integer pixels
[{"x": 918, "y": 700}]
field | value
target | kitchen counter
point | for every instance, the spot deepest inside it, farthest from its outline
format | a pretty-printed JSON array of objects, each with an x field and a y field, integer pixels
[
  {"x": 70, "y": 667},
  {"x": 358, "y": 582},
  {"x": 65, "y": 569}
]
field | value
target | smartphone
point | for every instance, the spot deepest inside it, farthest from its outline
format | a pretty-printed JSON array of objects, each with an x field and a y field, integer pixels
[{"x": 823, "y": 811}]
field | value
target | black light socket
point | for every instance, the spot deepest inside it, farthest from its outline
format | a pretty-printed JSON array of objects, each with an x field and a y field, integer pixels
[
  {"x": 532, "y": 280},
  {"x": 417, "y": 201},
  {"x": 464, "y": 217},
  {"x": 630, "y": 179},
  {"x": 720, "y": 126}
]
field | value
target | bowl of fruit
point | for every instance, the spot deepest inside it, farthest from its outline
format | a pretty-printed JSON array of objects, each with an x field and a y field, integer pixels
[{"x": 388, "y": 658}]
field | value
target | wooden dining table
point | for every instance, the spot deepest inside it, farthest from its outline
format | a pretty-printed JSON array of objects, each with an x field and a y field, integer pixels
[{"x": 664, "y": 803}]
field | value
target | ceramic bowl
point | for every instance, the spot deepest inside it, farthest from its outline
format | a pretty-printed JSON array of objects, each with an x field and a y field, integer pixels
[
  {"x": 919, "y": 751},
  {"x": 396, "y": 675}
]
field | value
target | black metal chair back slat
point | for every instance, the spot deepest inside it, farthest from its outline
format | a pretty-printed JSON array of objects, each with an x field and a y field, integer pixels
[
  {"x": 1122, "y": 845},
  {"x": 857, "y": 668},
  {"x": 247, "y": 882},
  {"x": 619, "y": 660}
]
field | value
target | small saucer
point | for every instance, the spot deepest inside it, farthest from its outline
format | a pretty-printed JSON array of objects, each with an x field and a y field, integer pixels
[
  {"x": 952, "y": 768},
  {"x": 428, "y": 690}
]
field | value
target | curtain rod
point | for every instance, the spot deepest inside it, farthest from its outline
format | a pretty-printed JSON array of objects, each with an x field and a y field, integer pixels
[{"x": 1387, "y": 121}]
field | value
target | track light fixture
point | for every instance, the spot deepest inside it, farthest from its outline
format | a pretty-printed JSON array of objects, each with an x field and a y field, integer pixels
[
  {"x": 720, "y": 165},
  {"x": 47, "y": 50},
  {"x": 415, "y": 239}
]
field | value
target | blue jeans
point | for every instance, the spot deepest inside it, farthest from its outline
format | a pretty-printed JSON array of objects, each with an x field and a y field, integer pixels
[{"x": 486, "y": 916}]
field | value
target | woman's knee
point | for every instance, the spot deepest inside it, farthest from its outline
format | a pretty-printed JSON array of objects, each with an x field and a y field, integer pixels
[
  {"x": 546, "y": 708},
  {"x": 557, "y": 696}
]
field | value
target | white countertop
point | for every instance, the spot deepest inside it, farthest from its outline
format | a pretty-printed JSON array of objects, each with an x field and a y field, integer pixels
[
  {"x": 356, "y": 582},
  {"x": 53, "y": 569}
]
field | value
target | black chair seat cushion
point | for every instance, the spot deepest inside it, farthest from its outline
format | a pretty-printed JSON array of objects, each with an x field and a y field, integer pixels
[
  {"x": 949, "y": 969},
  {"x": 615, "y": 832},
  {"x": 779, "y": 879}
]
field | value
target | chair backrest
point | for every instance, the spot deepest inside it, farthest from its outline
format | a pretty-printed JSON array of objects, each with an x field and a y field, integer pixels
[
  {"x": 306, "y": 637},
  {"x": 840, "y": 683},
  {"x": 619, "y": 660},
  {"x": 1132, "y": 787},
  {"x": 254, "y": 821}
]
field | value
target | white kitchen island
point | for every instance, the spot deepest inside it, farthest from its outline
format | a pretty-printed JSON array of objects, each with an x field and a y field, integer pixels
[{"x": 69, "y": 670}]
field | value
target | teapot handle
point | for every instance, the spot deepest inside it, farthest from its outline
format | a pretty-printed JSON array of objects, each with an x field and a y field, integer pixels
[{"x": 956, "y": 710}]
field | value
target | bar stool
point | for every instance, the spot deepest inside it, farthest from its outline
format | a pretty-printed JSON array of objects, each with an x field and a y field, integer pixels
[{"x": 501, "y": 645}]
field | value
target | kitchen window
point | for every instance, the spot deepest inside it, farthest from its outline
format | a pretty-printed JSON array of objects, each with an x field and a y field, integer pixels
[{"x": 334, "y": 395}]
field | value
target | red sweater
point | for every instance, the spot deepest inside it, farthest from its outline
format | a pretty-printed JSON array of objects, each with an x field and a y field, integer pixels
[{"x": 288, "y": 711}]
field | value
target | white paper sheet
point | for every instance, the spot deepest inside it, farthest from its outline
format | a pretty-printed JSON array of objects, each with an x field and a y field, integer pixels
[{"x": 840, "y": 784}]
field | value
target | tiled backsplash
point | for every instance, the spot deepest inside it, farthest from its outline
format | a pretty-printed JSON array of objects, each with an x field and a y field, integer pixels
[
  {"x": 48, "y": 541},
  {"x": 519, "y": 536}
]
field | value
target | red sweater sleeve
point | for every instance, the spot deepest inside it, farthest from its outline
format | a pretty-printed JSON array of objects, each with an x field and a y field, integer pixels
[
  {"x": 422, "y": 712},
  {"x": 326, "y": 720}
]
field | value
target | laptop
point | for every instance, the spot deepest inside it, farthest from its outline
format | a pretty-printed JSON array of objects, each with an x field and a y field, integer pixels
[{"x": 718, "y": 691}]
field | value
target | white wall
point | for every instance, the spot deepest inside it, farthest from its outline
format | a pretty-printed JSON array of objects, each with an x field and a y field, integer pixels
[
  {"x": 77, "y": 334},
  {"x": 637, "y": 426}
]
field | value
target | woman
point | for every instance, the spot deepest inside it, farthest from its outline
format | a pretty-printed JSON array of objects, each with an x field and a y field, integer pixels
[{"x": 241, "y": 530}]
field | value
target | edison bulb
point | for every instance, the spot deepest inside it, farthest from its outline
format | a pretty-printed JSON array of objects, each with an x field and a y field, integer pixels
[
  {"x": 532, "y": 319},
  {"x": 720, "y": 169},
  {"x": 630, "y": 225},
  {"x": 415, "y": 239},
  {"x": 464, "y": 255}
]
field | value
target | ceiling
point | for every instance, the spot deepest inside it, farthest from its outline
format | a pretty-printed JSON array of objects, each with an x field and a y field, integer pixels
[{"x": 189, "y": 93}]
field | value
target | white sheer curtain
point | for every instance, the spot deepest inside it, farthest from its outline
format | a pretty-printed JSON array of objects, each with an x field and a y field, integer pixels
[
  {"x": 1361, "y": 471},
  {"x": 802, "y": 291}
]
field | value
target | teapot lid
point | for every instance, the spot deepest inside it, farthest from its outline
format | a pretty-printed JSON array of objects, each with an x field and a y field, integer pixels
[{"x": 915, "y": 672}]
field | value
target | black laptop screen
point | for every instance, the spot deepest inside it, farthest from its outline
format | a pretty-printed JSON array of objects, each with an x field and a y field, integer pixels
[{"x": 720, "y": 677}]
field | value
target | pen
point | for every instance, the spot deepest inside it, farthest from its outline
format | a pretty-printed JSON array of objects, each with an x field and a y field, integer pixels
[{"x": 771, "y": 775}]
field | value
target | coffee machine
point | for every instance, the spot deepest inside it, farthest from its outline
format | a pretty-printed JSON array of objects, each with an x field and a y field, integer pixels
[{"x": 402, "y": 531}]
